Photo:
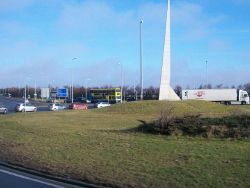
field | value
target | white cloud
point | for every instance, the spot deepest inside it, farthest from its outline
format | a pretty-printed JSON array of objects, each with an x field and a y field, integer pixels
[
  {"x": 91, "y": 16},
  {"x": 41, "y": 71},
  {"x": 94, "y": 19},
  {"x": 193, "y": 20}
]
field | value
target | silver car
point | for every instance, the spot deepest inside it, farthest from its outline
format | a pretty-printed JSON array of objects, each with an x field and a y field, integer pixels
[
  {"x": 25, "y": 108},
  {"x": 103, "y": 104},
  {"x": 3, "y": 109},
  {"x": 55, "y": 107}
]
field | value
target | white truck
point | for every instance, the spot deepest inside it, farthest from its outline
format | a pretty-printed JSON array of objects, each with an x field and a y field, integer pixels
[{"x": 226, "y": 96}]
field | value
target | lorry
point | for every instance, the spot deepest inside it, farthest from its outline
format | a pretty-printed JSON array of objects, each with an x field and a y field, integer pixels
[{"x": 225, "y": 96}]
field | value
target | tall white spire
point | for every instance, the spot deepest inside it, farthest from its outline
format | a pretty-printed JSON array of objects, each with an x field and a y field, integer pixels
[{"x": 166, "y": 91}]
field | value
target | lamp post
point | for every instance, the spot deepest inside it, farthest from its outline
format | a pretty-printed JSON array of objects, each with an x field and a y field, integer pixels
[
  {"x": 25, "y": 90},
  {"x": 25, "y": 98},
  {"x": 135, "y": 93},
  {"x": 25, "y": 93},
  {"x": 86, "y": 90},
  {"x": 141, "y": 59},
  {"x": 206, "y": 76},
  {"x": 72, "y": 86},
  {"x": 35, "y": 94}
]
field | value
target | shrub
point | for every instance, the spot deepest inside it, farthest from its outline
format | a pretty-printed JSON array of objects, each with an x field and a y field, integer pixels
[{"x": 195, "y": 125}]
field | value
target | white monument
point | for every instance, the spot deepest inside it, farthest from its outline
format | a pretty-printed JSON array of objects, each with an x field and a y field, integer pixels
[{"x": 166, "y": 91}]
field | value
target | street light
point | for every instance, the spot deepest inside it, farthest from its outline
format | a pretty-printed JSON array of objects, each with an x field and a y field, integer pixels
[
  {"x": 25, "y": 93},
  {"x": 35, "y": 94},
  {"x": 86, "y": 90},
  {"x": 141, "y": 59},
  {"x": 72, "y": 86},
  {"x": 135, "y": 92},
  {"x": 206, "y": 76},
  {"x": 25, "y": 98}
]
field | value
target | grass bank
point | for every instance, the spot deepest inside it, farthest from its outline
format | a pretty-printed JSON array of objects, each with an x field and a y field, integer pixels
[{"x": 103, "y": 146}]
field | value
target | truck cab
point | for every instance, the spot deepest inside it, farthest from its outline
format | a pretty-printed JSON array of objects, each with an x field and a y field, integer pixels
[{"x": 243, "y": 97}]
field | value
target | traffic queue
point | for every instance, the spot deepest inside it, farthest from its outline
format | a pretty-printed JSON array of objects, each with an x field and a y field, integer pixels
[{"x": 28, "y": 106}]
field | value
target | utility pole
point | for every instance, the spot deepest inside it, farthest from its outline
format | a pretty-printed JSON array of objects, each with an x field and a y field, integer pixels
[
  {"x": 86, "y": 92},
  {"x": 206, "y": 76},
  {"x": 35, "y": 94},
  {"x": 86, "y": 89},
  {"x": 25, "y": 99},
  {"x": 135, "y": 93},
  {"x": 72, "y": 92},
  {"x": 72, "y": 86},
  {"x": 141, "y": 59},
  {"x": 121, "y": 81}
]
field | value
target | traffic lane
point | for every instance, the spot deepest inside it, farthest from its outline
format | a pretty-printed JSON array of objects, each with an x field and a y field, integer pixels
[
  {"x": 42, "y": 108},
  {"x": 11, "y": 103},
  {"x": 10, "y": 179},
  {"x": 14, "y": 178}
]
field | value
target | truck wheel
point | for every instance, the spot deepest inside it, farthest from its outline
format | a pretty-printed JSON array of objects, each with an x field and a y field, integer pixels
[
  {"x": 5, "y": 112},
  {"x": 23, "y": 110},
  {"x": 243, "y": 103}
]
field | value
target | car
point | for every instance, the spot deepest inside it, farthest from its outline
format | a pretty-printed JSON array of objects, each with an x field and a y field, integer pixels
[
  {"x": 78, "y": 106},
  {"x": 102, "y": 104},
  {"x": 56, "y": 106},
  {"x": 3, "y": 109},
  {"x": 21, "y": 107}
]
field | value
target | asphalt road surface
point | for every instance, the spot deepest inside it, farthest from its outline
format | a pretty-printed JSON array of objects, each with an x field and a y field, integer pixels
[
  {"x": 11, "y": 103},
  {"x": 15, "y": 179}
]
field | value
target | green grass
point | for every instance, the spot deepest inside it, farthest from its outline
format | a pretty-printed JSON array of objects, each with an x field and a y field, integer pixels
[{"x": 97, "y": 146}]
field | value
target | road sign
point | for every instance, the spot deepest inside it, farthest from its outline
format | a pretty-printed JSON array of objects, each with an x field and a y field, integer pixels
[
  {"x": 62, "y": 92},
  {"x": 44, "y": 93}
]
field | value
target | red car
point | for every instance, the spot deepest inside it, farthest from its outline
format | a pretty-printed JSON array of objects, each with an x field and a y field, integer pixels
[{"x": 78, "y": 106}]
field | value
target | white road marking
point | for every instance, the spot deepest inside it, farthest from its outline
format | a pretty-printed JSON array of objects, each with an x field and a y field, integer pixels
[{"x": 31, "y": 179}]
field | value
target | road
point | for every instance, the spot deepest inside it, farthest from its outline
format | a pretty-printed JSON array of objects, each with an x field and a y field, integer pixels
[
  {"x": 15, "y": 179},
  {"x": 11, "y": 103}
]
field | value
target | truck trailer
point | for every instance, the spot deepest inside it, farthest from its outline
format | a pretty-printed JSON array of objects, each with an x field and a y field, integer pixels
[{"x": 226, "y": 96}]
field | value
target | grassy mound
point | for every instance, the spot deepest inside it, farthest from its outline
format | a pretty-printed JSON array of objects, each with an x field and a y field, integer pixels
[
  {"x": 192, "y": 118},
  {"x": 181, "y": 107},
  {"x": 96, "y": 145}
]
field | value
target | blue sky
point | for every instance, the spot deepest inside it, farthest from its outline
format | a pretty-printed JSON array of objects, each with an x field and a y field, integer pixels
[{"x": 39, "y": 39}]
